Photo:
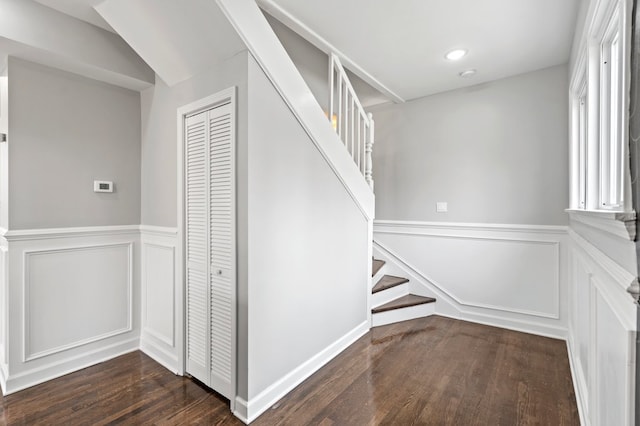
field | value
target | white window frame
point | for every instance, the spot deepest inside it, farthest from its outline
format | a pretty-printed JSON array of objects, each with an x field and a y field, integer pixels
[
  {"x": 612, "y": 114},
  {"x": 579, "y": 135},
  {"x": 599, "y": 96}
]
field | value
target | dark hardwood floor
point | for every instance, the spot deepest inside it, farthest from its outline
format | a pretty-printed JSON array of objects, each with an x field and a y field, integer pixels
[{"x": 430, "y": 371}]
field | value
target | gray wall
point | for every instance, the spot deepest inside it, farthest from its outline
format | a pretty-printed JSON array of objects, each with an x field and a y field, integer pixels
[
  {"x": 496, "y": 152},
  {"x": 159, "y": 134},
  {"x": 65, "y": 131}
]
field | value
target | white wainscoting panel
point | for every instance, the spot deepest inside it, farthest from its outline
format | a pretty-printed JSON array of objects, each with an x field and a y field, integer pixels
[
  {"x": 161, "y": 297},
  {"x": 4, "y": 312},
  {"x": 72, "y": 297},
  {"x": 602, "y": 331},
  {"x": 507, "y": 275},
  {"x": 75, "y": 296},
  {"x": 614, "y": 372}
]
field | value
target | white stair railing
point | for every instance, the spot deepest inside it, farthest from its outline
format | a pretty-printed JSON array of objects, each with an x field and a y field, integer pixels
[{"x": 354, "y": 126}]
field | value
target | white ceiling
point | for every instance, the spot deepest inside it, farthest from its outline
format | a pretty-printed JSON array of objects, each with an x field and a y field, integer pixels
[
  {"x": 397, "y": 47},
  {"x": 81, "y": 9},
  {"x": 402, "y": 44},
  {"x": 178, "y": 39}
]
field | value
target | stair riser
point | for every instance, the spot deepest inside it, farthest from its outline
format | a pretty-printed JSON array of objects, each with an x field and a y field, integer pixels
[
  {"x": 403, "y": 314},
  {"x": 378, "y": 275},
  {"x": 385, "y": 296}
]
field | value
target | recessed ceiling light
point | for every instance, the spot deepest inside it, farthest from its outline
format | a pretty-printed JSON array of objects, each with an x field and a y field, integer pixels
[
  {"x": 467, "y": 73},
  {"x": 456, "y": 54}
]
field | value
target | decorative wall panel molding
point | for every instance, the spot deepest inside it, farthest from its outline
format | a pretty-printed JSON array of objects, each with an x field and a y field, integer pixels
[
  {"x": 161, "y": 336},
  {"x": 75, "y": 296},
  {"x": 510, "y": 276}
]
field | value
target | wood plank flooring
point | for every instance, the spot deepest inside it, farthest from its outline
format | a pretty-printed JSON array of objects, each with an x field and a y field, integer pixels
[{"x": 429, "y": 371}]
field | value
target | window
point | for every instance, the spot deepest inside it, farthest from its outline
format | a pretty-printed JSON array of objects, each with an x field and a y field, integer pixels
[
  {"x": 599, "y": 117},
  {"x": 611, "y": 114},
  {"x": 582, "y": 148}
]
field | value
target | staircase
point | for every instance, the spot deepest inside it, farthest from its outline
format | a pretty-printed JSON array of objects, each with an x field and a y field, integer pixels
[{"x": 392, "y": 301}]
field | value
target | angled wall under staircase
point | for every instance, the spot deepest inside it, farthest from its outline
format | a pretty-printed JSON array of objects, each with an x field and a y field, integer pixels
[{"x": 305, "y": 199}]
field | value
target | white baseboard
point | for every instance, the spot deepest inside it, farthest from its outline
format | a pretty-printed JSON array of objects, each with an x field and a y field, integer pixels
[
  {"x": 26, "y": 379},
  {"x": 248, "y": 411},
  {"x": 511, "y": 324},
  {"x": 159, "y": 354},
  {"x": 3, "y": 379},
  {"x": 241, "y": 410},
  {"x": 579, "y": 385}
]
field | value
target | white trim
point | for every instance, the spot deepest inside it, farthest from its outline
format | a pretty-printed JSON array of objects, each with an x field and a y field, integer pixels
[
  {"x": 3, "y": 379},
  {"x": 278, "y": 12},
  {"x": 545, "y": 229},
  {"x": 241, "y": 410},
  {"x": 160, "y": 231},
  {"x": 158, "y": 353},
  {"x": 579, "y": 384},
  {"x": 619, "y": 275},
  {"x": 164, "y": 339},
  {"x": 529, "y": 327},
  {"x": 51, "y": 233},
  {"x": 27, "y": 355},
  {"x": 619, "y": 224},
  {"x": 248, "y": 411}
]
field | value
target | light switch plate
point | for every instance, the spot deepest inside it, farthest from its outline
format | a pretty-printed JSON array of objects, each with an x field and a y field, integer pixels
[{"x": 441, "y": 207}]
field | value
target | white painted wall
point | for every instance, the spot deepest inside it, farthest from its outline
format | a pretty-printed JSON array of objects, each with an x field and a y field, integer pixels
[
  {"x": 496, "y": 152},
  {"x": 306, "y": 251},
  {"x": 65, "y": 132}
]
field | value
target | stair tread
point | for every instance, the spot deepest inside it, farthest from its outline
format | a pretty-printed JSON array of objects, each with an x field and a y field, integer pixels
[
  {"x": 377, "y": 264},
  {"x": 388, "y": 281},
  {"x": 403, "y": 302}
]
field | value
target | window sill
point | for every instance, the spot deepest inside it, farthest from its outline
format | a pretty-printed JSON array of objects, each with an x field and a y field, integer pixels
[{"x": 619, "y": 224}]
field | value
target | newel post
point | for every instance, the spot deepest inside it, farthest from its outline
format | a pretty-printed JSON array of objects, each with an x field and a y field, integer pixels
[{"x": 368, "y": 149}]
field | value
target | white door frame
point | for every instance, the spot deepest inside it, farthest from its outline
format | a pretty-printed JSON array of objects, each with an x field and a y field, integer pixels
[{"x": 224, "y": 96}]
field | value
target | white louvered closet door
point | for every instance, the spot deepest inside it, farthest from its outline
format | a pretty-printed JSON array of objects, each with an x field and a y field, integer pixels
[{"x": 210, "y": 246}]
